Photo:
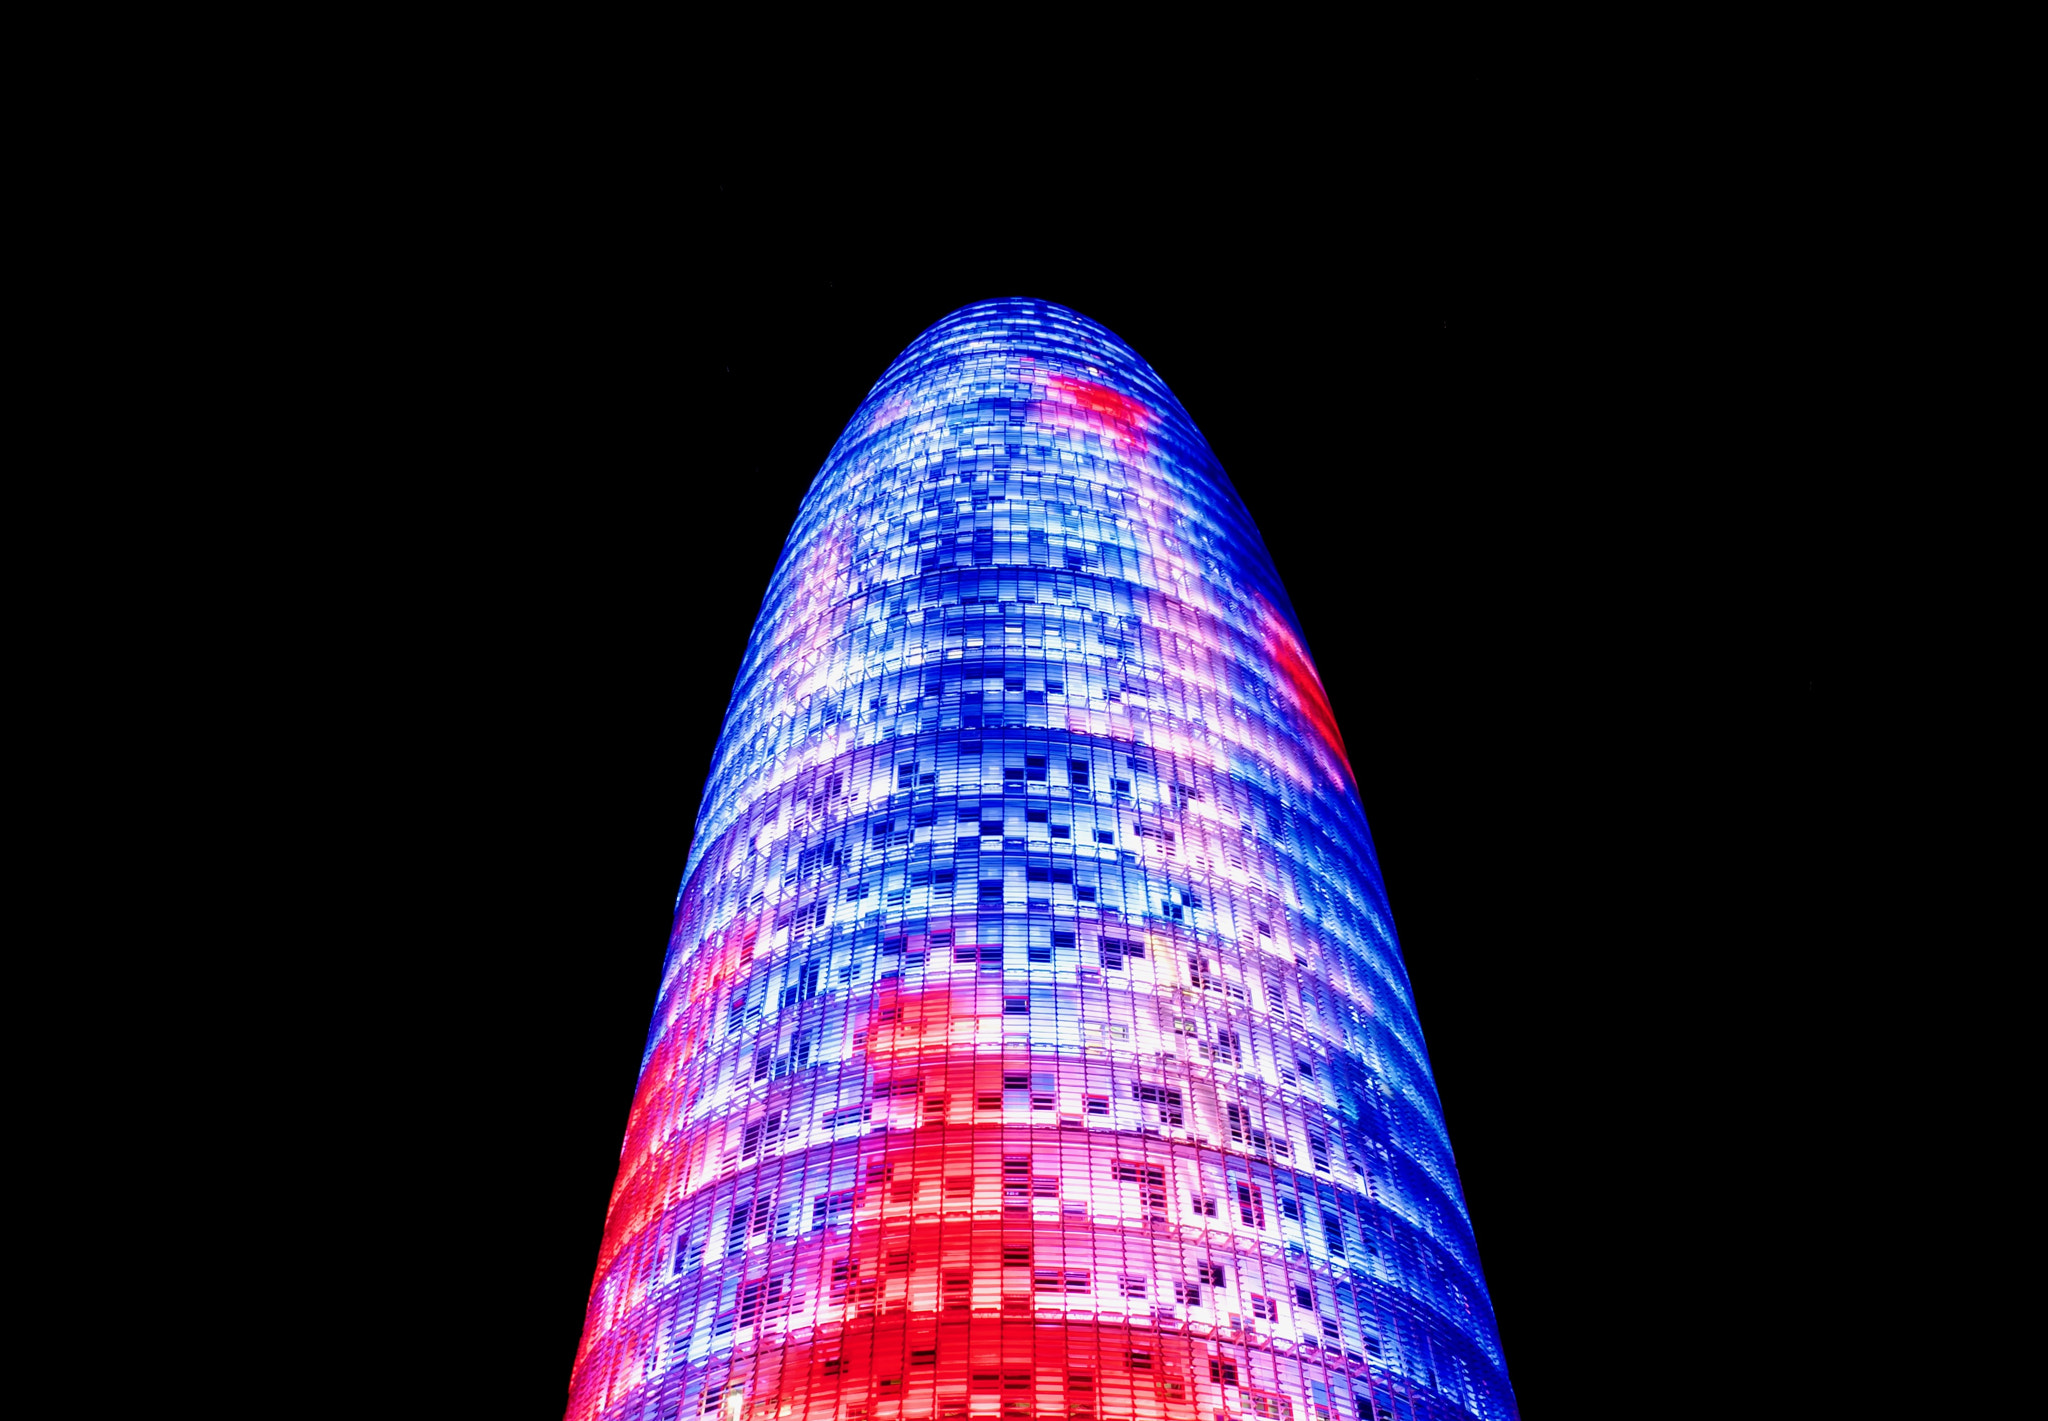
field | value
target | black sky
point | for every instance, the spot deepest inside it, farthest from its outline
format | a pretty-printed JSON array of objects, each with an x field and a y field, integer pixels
[{"x": 1518, "y": 519}]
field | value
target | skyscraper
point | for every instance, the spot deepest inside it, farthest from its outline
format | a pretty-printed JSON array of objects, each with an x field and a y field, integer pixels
[{"x": 1033, "y": 1037}]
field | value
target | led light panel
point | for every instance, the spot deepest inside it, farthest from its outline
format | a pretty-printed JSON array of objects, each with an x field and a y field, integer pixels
[{"x": 1034, "y": 1039}]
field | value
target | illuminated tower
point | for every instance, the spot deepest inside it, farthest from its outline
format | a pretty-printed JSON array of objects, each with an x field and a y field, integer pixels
[{"x": 1033, "y": 1039}]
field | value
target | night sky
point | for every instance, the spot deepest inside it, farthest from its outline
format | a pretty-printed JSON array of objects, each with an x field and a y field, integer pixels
[{"x": 1576, "y": 672}]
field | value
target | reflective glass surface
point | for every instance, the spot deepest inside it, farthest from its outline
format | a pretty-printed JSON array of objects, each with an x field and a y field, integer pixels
[{"x": 1033, "y": 1037}]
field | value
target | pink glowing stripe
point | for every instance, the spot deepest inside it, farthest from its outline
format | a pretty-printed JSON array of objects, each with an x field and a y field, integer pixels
[
  {"x": 1291, "y": 657},
  {"x": 1124, "y": 418}
]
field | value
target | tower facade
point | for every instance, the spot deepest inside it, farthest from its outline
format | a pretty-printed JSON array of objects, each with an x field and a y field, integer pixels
[{"x": 1033, "y": 1039}]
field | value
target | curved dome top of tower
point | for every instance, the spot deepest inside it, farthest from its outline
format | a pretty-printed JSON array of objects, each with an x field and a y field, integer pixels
[
  {"x": 1017, "y": 454},
  {"x": 1021, "y": 326},
  {"x": 1083, "y": 365}
]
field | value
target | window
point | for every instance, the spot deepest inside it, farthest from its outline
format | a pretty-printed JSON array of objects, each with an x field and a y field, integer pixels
[
  {"x": 1150, "y": 1178},
  {"x": 804, "y": 984},
  {"x": 1265, "y": 1309},
  {"x": 750, "y": 1216},
  {"x": 1205, "y": 1205},
  {"x": 1189, "y": 1293},
  {"x": 1251, "y": 1206},
  {"x": 1221, "y": 1372},
  {"x": 1164, "y": 1100},
  {"x": 1242, "y": 1130},
  {"x": 1304, "y": 1296},
  {"x": 1131, "y": 1286},
  {"x": 761, "y": 1297},
  {"x": 1333, "y": 1231},
  {"x": 1104, "y": 836},
  {"x": 1077, "y": 773},
  {"x": 1001, "y": 1381},
  {"x": 1214, "y": 1274},
  {"x": 1016, "y": 1181}
]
